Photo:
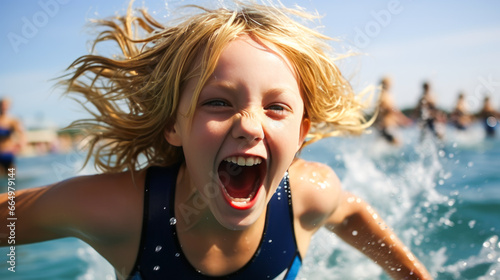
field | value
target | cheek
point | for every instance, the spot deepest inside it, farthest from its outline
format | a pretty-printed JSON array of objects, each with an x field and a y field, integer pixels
[
  {"x": 207, "y": 134},
  {"x": 287, "y": 133},
  {"x": 283, "y": 139},
  {"x": 276, "y": 125}
]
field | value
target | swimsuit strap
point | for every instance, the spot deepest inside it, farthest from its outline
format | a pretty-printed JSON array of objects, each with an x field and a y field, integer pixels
[
  {"x": 5, "y": 132},
  {"x": 160, "y": 255}
]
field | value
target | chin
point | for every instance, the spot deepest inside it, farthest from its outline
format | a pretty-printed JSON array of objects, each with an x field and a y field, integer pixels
[{"x": 239, "y": 219}]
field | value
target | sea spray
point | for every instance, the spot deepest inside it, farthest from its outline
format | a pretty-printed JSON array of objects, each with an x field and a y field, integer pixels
[{"x": 400, "y": 184}]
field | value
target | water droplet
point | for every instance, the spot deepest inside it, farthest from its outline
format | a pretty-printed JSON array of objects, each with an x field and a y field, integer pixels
[
  {"x": 470, "y": 164},
  {"x": 451, "y": 202},
  {"x": 472, "y": 223},
  {"x": 354, "y": 232},
  {"x": 322, "y": 185},
  {"x": 164, "y": 208},
  {"x": 158, "y": 248},
  {"x": 157, "y": 267},
  {"x": 173, "y": 221},
  {"x": 441, "y": 153},
  {"x": 177, "y": 255}
]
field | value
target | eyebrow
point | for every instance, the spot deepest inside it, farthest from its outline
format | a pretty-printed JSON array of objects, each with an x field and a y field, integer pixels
[{"x": 225, "y": 85}]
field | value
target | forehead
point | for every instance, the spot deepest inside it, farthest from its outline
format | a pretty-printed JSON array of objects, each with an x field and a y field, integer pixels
[
  {"x": 254, "y": 64},
  {"x": 251, "y": 50}
]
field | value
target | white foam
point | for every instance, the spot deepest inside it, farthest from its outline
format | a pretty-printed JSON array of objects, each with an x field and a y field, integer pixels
[{"x": 98, "y": 267}]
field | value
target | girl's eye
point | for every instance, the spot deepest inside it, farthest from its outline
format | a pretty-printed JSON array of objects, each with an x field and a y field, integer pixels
[
  {"x": 216, "y": 103},
  {"x": 276, "y": 108}
]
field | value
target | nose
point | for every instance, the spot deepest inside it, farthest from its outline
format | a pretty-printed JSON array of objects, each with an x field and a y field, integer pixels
[{"x": 248, "y": 126}]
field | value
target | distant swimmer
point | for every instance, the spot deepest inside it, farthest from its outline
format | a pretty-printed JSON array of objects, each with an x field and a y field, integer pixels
[
  {"x": 389, "y": 116},
  {"x": 11, "y": 137},
  {"x": 489, "y": 117},
  {"x": 427, "y": 112},
  {"x": 460, "y": 117}
]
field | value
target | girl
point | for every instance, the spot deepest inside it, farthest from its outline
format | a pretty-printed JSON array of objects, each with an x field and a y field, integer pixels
[{"x": 196, "y": 128}]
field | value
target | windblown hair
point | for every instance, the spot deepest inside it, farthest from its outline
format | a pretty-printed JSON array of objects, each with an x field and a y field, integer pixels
[{"x": 135, "y": 95}]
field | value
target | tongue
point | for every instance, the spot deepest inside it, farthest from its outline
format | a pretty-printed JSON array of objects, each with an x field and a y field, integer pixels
[{"x": 239, "y": 181}]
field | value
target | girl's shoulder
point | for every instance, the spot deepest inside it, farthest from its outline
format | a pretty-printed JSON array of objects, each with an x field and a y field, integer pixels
[
  {"x": 114, "y": 196},
  {"x": 316, "y": 191}
]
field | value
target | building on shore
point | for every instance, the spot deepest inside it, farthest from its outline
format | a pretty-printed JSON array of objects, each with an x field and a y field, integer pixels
[{"x": 41, "y": 141}]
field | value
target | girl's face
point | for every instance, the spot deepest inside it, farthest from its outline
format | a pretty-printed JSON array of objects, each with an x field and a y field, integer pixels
[{"x": 245, "y": 131}]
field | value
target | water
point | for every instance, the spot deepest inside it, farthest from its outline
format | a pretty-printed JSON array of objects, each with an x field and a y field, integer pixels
[{"x": 441, "y": 198}]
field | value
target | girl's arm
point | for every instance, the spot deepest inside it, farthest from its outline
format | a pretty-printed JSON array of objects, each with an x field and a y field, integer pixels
[
  {"x": 104, "y": 210},
  {"x": 32, "y": 215},
  {"x": 95, "y": 209},
  {"x": 60, "y": 210},
  {"x": 360, "y": 226}
]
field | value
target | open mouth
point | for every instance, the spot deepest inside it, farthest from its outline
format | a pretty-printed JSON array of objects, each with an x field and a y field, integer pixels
[{"x": 241, "y": 178}]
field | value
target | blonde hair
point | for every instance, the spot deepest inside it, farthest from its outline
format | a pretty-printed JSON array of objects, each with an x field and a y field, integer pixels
[{"x": 135, "y": 96}]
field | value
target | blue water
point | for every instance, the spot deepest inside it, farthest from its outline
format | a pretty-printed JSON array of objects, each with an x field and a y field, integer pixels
[{"x": 442, "y": 198}]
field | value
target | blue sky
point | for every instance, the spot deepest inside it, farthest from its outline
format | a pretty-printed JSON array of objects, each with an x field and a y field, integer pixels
[{"x": 453, "y": 44}]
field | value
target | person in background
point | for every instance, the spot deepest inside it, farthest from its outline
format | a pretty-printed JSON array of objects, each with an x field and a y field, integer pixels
[
  {"x": 389, "y": 117},
  {"x": 427, "y": 113},
  {"x": 460, "y": 117},
  {"x": 12, "y": 137},
  {"x": 489, "y": 117}
]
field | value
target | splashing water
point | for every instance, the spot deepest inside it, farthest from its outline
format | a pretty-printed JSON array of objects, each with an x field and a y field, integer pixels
[{"x": 427, "y": 192}]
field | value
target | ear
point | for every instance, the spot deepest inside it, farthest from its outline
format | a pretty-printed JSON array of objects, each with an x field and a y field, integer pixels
[
  {"x": 172, "y": 136},
  {"x": 304, "y": 130}
]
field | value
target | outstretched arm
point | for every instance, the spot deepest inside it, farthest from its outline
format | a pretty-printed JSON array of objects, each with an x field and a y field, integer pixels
[
  {"x": 359, "y": 225},
  {"x": 95, "y": 209}
]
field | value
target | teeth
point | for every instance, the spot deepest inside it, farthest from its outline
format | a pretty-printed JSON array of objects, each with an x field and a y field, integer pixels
[{"x": 244, "y": 161}]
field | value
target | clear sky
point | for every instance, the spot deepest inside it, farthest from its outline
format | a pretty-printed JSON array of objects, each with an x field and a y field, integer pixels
[{"x": 455, "y": 45}]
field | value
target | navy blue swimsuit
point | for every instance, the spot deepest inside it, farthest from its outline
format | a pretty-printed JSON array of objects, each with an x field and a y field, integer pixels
[
  {"x": 5, "y": 133},
  {"x": 160, "y": 255},
  {"x": 6, "y": 158}
]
